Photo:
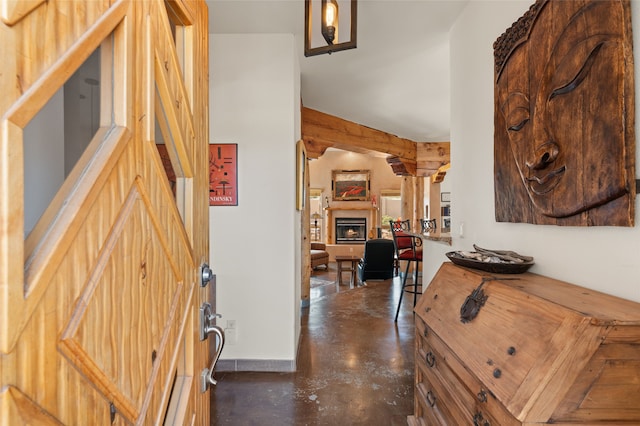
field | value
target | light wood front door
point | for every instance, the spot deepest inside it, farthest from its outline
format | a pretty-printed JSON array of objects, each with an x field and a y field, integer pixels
[{"x": 101, "y": 242}]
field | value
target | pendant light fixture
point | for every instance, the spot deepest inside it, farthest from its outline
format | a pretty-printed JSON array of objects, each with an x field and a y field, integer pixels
[{"x": 330, "y": 26}]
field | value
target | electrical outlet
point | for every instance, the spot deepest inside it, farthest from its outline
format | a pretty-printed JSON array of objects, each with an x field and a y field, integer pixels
[
  {"x": 230, "y": 336},
  {"x": 231, "y": 323}
]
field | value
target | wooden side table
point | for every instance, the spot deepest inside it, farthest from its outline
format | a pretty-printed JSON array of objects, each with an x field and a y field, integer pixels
[{"x": 353, "y": 261}]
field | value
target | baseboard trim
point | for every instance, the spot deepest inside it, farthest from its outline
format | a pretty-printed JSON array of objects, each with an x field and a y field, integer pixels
[{"x": 265, "y": 365}]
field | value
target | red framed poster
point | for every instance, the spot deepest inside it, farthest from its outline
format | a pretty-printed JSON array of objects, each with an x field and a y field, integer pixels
[{"x": 223, "y": 174}]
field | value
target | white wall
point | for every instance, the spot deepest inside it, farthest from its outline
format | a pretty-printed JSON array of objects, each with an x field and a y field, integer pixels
[
  {"x": 255, "y": 247},
  {"x": 601, "y": 258}
]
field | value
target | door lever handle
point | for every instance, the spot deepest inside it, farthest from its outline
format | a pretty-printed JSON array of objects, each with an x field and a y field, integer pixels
[
  {"x": 206, "y": 377},
  {"x": 207, "y": 317}
]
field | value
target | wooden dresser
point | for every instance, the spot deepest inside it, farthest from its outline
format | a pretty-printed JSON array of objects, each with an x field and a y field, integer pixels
[{"x": 531, "y": 350}]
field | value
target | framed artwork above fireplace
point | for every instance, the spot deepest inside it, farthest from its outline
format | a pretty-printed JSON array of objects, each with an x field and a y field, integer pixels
[{"x": 350, "y": 185}]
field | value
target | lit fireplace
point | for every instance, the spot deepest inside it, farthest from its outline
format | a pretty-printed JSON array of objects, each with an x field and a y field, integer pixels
[{"x": 350, "y": 230}]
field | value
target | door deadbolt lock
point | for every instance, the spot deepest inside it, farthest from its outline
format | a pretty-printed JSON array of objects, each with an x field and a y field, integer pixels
[{"x": 206, "y": 275}]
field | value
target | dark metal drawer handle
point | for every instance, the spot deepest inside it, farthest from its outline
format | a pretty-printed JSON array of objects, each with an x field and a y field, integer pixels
[
  {"x": 430, "y": 359},
  {"x": 431, "y": 399},
  {"x": 482, "y": 395},
  {"x": 479, "y": 420}
]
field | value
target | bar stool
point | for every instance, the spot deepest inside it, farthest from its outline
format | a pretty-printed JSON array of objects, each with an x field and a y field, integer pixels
[
  {"x": 428, "y": 225},
  {"x": 409, "y": 249}
]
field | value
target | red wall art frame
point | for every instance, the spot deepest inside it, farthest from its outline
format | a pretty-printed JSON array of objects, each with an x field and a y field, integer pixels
[
  {"x": 223, "y": 174},
  {"x": 350, "y": 185}
]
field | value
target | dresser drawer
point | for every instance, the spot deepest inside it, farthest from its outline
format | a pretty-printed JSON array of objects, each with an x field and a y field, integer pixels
[
  {"x": 437, "y": 362},
  {"x": 431, "y": 406},
  {"x": 509, "y": 339},
  {"x": 524, "y": 349},
  {"x": 440, "y": 390}
]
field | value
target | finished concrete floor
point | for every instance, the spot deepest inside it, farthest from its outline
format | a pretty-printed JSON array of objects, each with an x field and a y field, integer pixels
[{"x": 355, "y": 365}]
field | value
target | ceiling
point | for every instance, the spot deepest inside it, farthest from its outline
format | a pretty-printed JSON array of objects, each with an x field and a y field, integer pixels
[{"x": 396, "y": 80}]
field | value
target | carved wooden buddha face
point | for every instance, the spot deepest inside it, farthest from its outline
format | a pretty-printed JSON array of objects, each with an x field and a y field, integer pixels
[{"x": 561, "y": 94}]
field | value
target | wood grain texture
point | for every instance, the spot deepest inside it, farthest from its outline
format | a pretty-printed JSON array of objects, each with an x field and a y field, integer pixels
[
  {"x": 564, "y": 142},
  {"x": 402, "y": 166},
  {"x": 101, "y": 314},
  {"x": 532, "y": 355},
  {"x": 305, "y": 266},
  {"x": 407, "y": 193},
  {"x": 13, "y": 11},
  {"x": 417, "y": 212},
  {"x": 320, "y": 130},
  {"x": 46, "y": 55},
  {"x": 430, "y": 156}
]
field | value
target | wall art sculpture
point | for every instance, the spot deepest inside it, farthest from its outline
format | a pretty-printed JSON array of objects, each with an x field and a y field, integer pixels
[{"x": 564, "y": 142}]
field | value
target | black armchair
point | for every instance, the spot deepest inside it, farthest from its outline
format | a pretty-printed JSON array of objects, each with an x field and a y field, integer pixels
[{"x": 377, "y": 261}]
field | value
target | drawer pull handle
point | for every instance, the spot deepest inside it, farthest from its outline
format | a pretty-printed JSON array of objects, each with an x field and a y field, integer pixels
[
  {"x": 482, "y": 395},
  {"x": 431, "y": 399},
  {"x": 479, "y": 420},
  {"x": 430, "y": 359}
]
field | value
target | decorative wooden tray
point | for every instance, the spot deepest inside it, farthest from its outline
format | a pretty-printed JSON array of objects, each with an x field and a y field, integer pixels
[{"x": 497, "y": 267}]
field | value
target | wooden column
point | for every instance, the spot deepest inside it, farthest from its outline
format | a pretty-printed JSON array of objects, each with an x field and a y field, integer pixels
[
  {"x": 406, "y": 203},
  {"x": 329, "y": 226},
  {"x": 374, "y": 223},
  {"x": 434, "y": 206},
  {"x": 412, "y": 202},
  {"x": 305, "y": 283},
  {"x": 418, "y": 204},
  {"x": 406, "y": 197}
]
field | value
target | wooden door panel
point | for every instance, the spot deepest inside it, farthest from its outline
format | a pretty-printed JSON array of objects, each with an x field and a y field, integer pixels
[
  {"x": 173, "y": 102},
  {"x": 117, "y": 302},
  {"x": 100, "y": 326},
  {"x": 14, "y": 10},
  {"x": 42, "y": 55},
  {"x": 49, "y": 238},
  {"x": 175, "y": 109},
  {"x": 16, "y": 407},
  {"x": 137, "y": 281}
]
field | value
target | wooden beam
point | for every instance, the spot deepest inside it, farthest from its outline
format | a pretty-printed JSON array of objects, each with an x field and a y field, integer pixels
[
  {"x": 321, "y": 131},
  {"x": 315, "y": 148},
  {"x": 402, "y": 167},
  {"x": 439, "y": 174},
  {"x": 431, "y": 156}
]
